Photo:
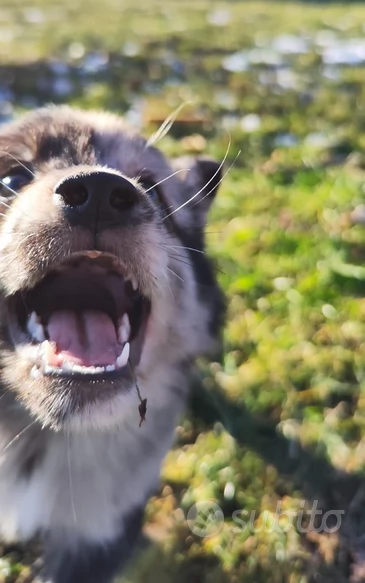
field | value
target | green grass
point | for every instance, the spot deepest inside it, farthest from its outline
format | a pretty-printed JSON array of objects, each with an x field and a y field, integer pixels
[{"x": 281, "y": 419}]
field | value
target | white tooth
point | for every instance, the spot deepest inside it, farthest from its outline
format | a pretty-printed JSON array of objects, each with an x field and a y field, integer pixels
[
  {"x": 110, "y": 367},
  {"x": 35, "y": 327},
  {"x": 78, "y": 368},
  {"x": 66, "y": 365},
  {"x": 35, "y": 373},
  {"x": 49, "y": 369},
  {"x": 124, "y": 355},
  {"x": 92, "y": 369},
  {"x": 38, "y": 333},
  {"x": 122, "y": 334},
  {"x": 124, "y": 329},
  {"x": 126, "y": 323},
  {"x": 34, "y": 317},
  {"x": 134, "y": 283},
  {"x": 30, "y": 328},
  {"x": 32, "y": 323}
]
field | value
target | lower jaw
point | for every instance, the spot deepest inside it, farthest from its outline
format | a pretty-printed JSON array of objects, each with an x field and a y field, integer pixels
[
  {"x": 78, "y": 404},
  {"x": 103, "y": 414},
  {"x": 82, "y": 402}
]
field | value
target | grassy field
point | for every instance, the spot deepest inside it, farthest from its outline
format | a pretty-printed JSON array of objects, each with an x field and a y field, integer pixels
[{"x": 279, "y": 424}]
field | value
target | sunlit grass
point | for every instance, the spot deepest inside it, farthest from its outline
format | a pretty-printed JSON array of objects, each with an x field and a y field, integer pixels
[{"x": 280, "y": 418}]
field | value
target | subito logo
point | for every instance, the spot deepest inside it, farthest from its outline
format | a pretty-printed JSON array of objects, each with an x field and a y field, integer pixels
[{"x": 205, "y": 518}]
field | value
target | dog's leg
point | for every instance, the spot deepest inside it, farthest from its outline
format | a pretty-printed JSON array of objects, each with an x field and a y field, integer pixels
[{"x": 90, "y": 562}]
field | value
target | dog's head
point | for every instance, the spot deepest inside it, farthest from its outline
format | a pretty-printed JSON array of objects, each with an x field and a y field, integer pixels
[{"x": 103, "y": 279}]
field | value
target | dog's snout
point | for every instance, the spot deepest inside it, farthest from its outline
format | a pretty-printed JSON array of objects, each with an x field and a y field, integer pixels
[{"x": 97, "y": 199}]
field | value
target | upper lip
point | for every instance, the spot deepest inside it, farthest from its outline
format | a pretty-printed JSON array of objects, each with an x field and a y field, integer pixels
[{"x": 110, "y": 258}]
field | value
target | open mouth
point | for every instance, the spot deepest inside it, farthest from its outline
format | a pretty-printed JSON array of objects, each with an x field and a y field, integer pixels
[{"x": 86, "y": 317}]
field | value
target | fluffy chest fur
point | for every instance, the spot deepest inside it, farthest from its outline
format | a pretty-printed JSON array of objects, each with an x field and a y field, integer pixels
[{"x": 82, "y": 484}]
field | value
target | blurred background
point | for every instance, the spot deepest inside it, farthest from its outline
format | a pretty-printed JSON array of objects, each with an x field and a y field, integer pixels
[{"x": 279, "y": 422}]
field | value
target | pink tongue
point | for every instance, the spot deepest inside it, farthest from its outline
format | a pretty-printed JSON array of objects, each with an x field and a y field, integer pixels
[{"x": 85, "y": 338}]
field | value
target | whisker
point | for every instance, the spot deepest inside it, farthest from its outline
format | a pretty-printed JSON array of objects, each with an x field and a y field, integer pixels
[
  {"x": 167, "y": 178},
  {"x": 166, "y": 125},
  {"x": 70, "y": 478},
  {"x": 172, "y": 295},
  {"x": 3, "y": 203},
  {"x": 17, "y": 437},
  {"x": 221, "y": 180},
  {"x": 182, "y": 247},
  {"x": 176, "y": 255},
  {"x": 22, "y": 241},
  {"x": 17, "y": 161},
  {"x": 5, "y": 393},
  {"x": 175, "y": 258},
  {"x": 195, "y": 228},
  {"x": 176, "y": 275},
  {"x": 205, "y": 185},
  {"x": 186, "y": 261},
  {"x": 8, "y": 187}
]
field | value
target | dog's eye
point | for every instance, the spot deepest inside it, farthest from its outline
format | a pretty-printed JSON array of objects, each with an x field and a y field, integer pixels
[{"x": 14, "y": 181}]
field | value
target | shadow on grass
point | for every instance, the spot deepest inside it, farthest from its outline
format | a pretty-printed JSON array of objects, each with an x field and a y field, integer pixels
[
  {"x": 175, "y": 565},
  {"x": 308, "y": 471}
]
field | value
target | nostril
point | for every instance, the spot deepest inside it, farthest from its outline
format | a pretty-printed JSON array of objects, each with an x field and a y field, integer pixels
[
  {"x": 122, "y": 199},
  {"x": 73, "y": 193},
  {"x": 98, "y": 199}
]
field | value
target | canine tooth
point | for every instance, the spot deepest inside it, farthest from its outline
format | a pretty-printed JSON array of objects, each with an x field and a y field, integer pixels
[
  {"x": 34, "y": 317},
  {"x": 124, "y": 329},
  {"x": 122, "y": 334},
  {"x": 134, "y": 283},
  {"x": 49, "y": 354},
  {"x": 30, "y": 327},
  {"x": 49, "y": 369},
  {"x": 38, "y": 333},
  {"x": 110, "y": 367},
  {"x": 124, "y": 355},
  {"x": 32, "y": 322},
  {"x": 35, "y": 373},
  {"x": 126, "y": 323},
  {"x": 35, "y": 328}
]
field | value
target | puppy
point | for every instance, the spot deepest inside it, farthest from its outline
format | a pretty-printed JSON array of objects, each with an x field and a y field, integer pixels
[{"x": 106, "y": 299}]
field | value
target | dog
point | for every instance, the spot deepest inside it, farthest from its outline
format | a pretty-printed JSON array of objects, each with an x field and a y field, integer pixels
[{"x": 106, "y": 301}]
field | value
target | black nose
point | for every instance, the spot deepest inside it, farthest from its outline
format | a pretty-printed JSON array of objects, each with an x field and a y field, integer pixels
[{"x": 98, "y": 199}]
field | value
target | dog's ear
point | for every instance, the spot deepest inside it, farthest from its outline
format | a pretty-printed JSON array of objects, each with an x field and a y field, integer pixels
[{"x": 201, "y": 177}]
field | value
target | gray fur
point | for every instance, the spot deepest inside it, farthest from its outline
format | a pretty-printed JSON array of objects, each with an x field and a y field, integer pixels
[{"x": 73, "y": 461}]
